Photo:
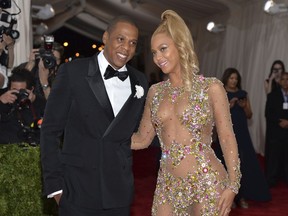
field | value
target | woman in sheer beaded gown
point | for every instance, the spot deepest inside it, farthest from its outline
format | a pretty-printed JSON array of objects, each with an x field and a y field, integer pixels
[{"x": 182, "y": 111}]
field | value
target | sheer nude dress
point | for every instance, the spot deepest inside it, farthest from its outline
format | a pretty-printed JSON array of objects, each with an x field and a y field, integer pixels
[{"x": 191, "y": 178}]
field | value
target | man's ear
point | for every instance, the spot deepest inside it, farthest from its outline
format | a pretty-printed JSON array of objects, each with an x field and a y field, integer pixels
[{"x": 105, "y": 37}]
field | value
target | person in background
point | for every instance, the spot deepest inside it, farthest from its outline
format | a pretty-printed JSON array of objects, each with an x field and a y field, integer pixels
[
  {"x": 6, "y": 58},
  {"x": 276, "y": 148},
  {"x": 274, "y": 77},
  {"x": 98, "y": 102},
  {"x": 44, "y": 75},
  {"x": 253, "y": 183},
  {"x": 182, "y": 111},
  {"x": 20, "y": 110},
  {"x": 271, "y": 84}
]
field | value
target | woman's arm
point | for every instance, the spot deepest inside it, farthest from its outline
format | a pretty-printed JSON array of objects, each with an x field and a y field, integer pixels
[
  {"x": 146, "y": 132},
  {"x": 10, "y": 47},
  {"x": 221, "y": 110},
  {"x": 245, "y": 104},
  {"x": 268, "y": 83}
]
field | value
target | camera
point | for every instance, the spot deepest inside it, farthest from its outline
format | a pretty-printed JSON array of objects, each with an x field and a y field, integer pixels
[
  {"x": 7, "y": 18},
  {"x": 9, "y": 30},
  {"x": 30, "y": 135},
  {"x": 22, "y": 98},
  {"x": 46, "y": 53},
  {"x": 5, "y": 4}
]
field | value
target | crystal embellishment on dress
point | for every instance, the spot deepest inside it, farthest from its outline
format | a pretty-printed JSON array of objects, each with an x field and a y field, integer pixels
[{"x": 174, "y": 92}]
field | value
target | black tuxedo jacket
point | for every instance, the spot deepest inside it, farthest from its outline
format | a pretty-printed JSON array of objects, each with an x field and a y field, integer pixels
[{"x": 94, "y": 165}]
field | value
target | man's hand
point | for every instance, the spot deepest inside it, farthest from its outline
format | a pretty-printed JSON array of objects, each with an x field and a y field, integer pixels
[
  {"x": 283, "y": 123},
  {"x": 57, "y": 198},
  {"x": 31, "y": 96},
  {"x": 9, "y": 97}
]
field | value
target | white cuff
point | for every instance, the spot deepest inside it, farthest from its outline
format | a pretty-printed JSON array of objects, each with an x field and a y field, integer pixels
[{"x": 55, "y": 193}]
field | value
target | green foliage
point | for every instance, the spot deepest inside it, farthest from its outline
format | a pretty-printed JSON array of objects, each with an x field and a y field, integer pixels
[{"x": 20, "y": 182}]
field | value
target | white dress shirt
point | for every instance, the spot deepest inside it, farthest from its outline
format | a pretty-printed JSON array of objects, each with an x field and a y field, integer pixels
[{"x": 118, "y": 91}]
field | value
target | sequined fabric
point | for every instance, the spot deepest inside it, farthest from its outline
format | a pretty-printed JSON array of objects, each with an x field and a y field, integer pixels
[{"x": 191, "y": 178}]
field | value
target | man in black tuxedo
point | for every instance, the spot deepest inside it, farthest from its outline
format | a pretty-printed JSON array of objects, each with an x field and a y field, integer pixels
[
  {"x": 98, "y": 109},
  {"x": 276, "y": 149}
]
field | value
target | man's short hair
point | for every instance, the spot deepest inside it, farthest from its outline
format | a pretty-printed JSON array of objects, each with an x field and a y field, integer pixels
[
  {"x": 122, "y": 18},
  {"x": 20, "y": 74}
]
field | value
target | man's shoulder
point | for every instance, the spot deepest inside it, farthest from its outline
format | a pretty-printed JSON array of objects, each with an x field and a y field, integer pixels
[
  {"x": 79, "y": 61},
  {"x": 76, "y": 67}
]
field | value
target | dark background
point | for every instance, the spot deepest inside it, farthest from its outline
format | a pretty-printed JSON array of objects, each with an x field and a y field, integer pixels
[{"x": 76, "y": 43}]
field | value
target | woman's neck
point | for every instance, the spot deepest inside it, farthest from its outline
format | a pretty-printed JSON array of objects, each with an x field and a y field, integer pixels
[
  {"x": 175, "y": 80},
  {"x": 229, "y": 89}
]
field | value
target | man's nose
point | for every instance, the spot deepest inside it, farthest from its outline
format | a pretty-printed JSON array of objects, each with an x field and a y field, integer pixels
[{"x": 126, "y": 45}]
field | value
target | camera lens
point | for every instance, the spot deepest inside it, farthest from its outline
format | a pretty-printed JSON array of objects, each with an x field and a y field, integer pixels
[
  {"x": 22, "y": 97},
  {"x": 49, "y": 61},
  {"x": 14, "y": 34}
]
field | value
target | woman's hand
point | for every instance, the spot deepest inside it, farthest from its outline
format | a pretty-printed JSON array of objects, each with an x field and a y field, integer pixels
[
  {"x": 225, "y": 202},
  {"x": 233, "y": 101},
  {"x": 245, "y": 104},
  {"x": 32, "y": 58},
  {"x": 242, "y": 102}
]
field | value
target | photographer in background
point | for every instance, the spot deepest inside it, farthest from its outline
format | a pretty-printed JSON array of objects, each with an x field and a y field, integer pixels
[
  {"x": 20, "y": 109},
  {"x": 8, "y": 35},
  {"x": 6, "y": 58},
  {"x": 44, "y": 63}
]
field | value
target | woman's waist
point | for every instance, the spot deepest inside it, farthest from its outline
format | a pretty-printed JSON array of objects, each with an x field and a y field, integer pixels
[
  {"x": 185, "y": 147},
  {"x": 177, "y": 152}
]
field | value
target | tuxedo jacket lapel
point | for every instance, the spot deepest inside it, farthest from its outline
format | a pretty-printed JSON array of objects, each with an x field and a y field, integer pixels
[
  {"x": 127, "y": 106},
  {"x": 133, "y": 81},
  {"x": 97, "y": 86}
]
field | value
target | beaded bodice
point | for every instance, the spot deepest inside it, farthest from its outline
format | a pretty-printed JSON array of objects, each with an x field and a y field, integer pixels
[{"x": 190, "y": 110}]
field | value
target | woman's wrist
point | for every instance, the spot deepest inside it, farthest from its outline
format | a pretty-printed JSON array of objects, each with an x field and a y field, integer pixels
[{"x": 45, "y": 86}]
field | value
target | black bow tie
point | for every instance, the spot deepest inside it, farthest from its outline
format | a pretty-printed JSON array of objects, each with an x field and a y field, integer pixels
[{"x": 110, "y": 72}]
